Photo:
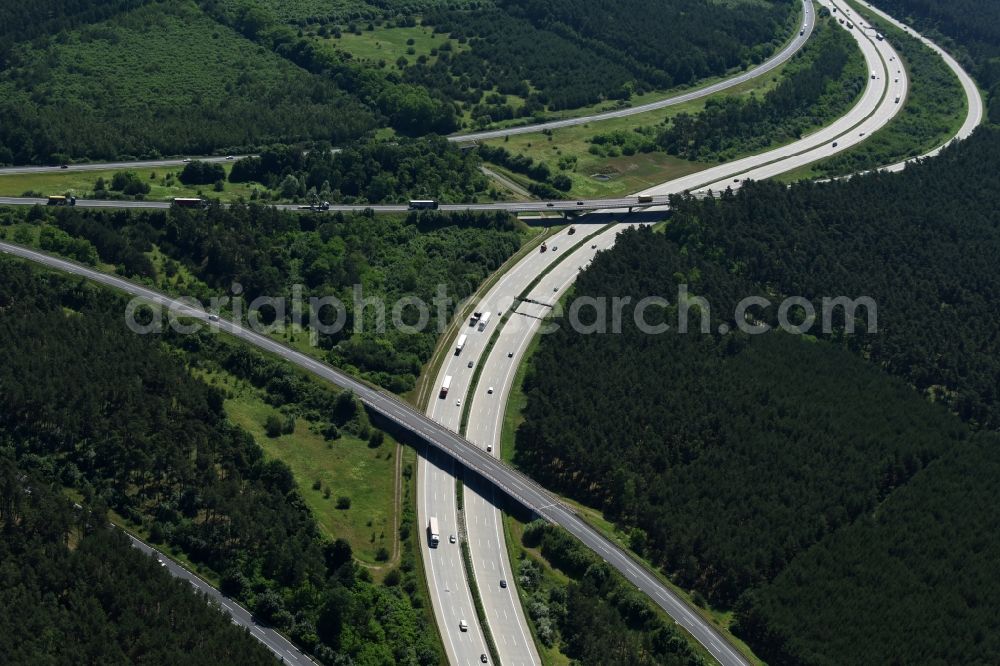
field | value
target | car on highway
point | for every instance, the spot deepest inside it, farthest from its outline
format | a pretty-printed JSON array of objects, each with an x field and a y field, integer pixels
[
  {"x": 483, "y": 658},
  {"x": 213, "y": 317},
  {"x": 554, "y": 248},
  {"x": 186, "y": 160},
  {"x": 503, "y": 583},
  {"x": 489, "y": 448},
  {"x": 549, "y": 205},
  {"x": 64, "y": 166},
  {"x": 230, "y": 157},
  {"x": 594, "y": 246},
  {"x": 834, "y": 144},
  {"x": 470, "y": 364},
  {"x": 463, "y": 625},
  {"x": 458, "y": 403},
  {"x": 490, "y": 390},
  {"x": 452, "y": 539},
  {"x": 510, "y": 354},
  {"x": 579, "y": 203}
]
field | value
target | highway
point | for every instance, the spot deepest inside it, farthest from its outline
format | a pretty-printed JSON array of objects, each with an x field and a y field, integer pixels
[
  {"x": 271, "y": 639},
  {"x": 873, "y": 110},
  {"x": 534, "y": 206},
  {"x": 102, "y": 166},
  {"x": 876, "y": 107},
  {"x": 483, "y": 529},
  {"x": 511, "y": 482},
  {"x": 975, "y": 113}
]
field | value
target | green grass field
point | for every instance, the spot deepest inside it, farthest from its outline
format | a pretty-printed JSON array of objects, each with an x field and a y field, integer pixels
[
  {"x": 347, "y": 467},
  {"x": 163, "y": 182},
  {"x": 389, "y": 44}
]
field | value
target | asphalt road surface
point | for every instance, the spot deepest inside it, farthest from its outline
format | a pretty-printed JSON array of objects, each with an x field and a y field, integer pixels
[
  {"x": 101, "y": 166},
  {"x": 271, "y": 639}
]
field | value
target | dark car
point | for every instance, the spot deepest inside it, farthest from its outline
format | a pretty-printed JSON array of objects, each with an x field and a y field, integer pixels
[
  {"x": 483, "y": 658},
  {"x": 503, "y": 583}
]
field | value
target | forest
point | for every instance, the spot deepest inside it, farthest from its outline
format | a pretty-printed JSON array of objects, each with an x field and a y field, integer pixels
[
  {"x": 267, "y": 252},
  {"x": 368, "y": 172},
  {"x": 753, "y": 449},
  {"x": 572, "y": 53},
  {"x": 806, "y": 482},
  {"x": 162, "y": 79},
  {"x": 76, "y": 592},
  {"x": 917, "y": 243},
  {"x": 119, "y": 418},
  {"x": 599, "y": 618}
]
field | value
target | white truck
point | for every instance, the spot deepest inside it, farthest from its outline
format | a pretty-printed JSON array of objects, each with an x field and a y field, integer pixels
[
  {"x": 461, "y": 344},
  {"x": 445, "y": 386},
  {"x": 433, "y": 536},
  {"x": 484, "y": 321}
]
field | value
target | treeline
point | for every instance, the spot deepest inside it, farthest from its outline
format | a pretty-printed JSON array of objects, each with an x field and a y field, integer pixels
[
  {"x": 267, "y": 251},
  {"x": 571, "y": 53},
  {"x": 821, "y": 82},
  {"x": 76, "y": 592},
  {"x": 118, "y": 417},
  {"x": 598, "y": 618},
  {"x": 368, "y": 172}
]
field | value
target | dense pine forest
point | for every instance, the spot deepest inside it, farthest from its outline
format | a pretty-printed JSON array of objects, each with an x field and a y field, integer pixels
[
  {"x": 916, "y": 243},
  {"x": 95, "y": 80},
  {"x": 835, "y": 490},
  {"x": 76, "y": 592},
  {"x": 267, "y": 252},
  {"x": 119, "y": 418},
  {"x": 571, "y": 53}
]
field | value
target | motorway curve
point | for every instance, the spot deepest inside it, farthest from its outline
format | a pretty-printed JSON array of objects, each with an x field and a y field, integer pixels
[{"x": 873, "y": 110}]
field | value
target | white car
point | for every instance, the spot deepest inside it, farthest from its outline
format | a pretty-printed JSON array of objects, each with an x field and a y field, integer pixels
[
  {"x": 452, "y": 539},
  {"x": 458, "y": 403},
  {"x": 463, "y": 625}
]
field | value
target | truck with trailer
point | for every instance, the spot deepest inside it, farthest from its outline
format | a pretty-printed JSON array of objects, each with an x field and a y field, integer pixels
[
  {"x": 484, "y": 321},
  {"x": 189, "y": 202},
  {"x": 433, "y": 535},
  {"x": 423, "y": 204},
  {"x": 461, "y": 344},
  {"x": 445, "y": 386}
]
